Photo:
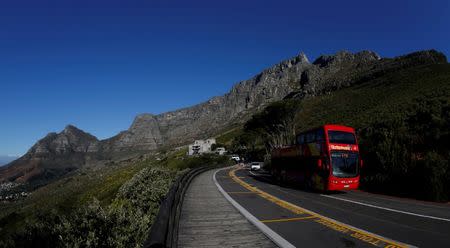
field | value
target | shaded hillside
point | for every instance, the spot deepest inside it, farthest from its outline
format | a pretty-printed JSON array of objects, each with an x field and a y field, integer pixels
[
  {"x": 386, "y": 97},
  {"x": 403, "y": 123}
]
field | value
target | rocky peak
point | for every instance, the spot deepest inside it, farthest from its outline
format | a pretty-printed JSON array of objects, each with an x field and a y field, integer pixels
[
  {"x": 71, "y": 139},
  {"x": 71, "y": 128},
  {"x": 346, "y": 57},
  {"x": 143, "y": 134},
  {"x": 297, "y": 61},
  {"x": 142, "y": 120},
  {"x": 303, "y": 58}
]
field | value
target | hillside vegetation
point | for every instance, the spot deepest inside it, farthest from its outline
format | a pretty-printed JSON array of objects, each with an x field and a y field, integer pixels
[
  {"x": 402, "y": 120},
  {"x": 98, "y": 207}
]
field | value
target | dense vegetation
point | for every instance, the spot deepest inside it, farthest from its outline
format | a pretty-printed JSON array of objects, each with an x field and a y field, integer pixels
[
  {"x": 108, "y": 207},
  {"x": 403, "y": 124}
]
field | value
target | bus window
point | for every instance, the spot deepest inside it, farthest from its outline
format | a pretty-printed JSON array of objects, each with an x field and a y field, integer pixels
[
  {"x": 320, "y": 135},
  {"x": 341, "y": 137},
  {"x": 310, "y": 137},
  {"x": 301, "y": 139}
]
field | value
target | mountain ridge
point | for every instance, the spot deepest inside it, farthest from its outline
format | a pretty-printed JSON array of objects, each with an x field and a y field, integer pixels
[{"x": 294, "y": 77}]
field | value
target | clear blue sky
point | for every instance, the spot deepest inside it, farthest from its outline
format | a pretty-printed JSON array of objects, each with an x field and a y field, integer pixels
[{"x": 96, "y": 64}]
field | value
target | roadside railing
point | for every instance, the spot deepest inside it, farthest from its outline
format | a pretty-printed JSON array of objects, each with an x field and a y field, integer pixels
[{"x": 164, "y": 230}]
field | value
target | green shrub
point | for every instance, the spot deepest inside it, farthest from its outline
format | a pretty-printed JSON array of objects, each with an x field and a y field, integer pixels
[
  {"x": 401, "y": 153},
  {"x": 124, "y": 223},
  {"x": 40, "y": 232},
  {"x": 190, "y": 162}
]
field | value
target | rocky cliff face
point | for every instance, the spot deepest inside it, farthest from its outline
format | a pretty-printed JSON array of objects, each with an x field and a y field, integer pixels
[
  {"x": 295, "y": 77},
  {"x": 144, "y": 134},
  {"x": 149, "y": 132}
]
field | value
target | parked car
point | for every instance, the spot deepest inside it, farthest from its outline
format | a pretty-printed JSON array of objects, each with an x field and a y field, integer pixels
[
  {"x": 256, "y": 165},
  {"x": 235, "y": 158}
]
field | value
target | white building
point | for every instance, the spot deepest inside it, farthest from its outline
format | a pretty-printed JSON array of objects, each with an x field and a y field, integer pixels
[
  {"x": 221, "y": 150},
  {"x": 201, "y": 146}
]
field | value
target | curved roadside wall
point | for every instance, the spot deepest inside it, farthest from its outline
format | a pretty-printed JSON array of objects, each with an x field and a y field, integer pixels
[{"x": 164, "y": 230}]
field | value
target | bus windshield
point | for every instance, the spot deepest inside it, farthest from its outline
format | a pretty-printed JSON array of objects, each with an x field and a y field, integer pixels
[
  {"x": 345, "y": 164},
  {"x": 341, "y": 137}
]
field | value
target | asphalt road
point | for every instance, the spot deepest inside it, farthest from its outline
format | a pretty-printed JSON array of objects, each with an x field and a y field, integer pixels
[{"x": 342, "y": 219}]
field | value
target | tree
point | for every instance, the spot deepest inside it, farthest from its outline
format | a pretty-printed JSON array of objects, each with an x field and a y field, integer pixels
[{"x": 275, "y": 125}]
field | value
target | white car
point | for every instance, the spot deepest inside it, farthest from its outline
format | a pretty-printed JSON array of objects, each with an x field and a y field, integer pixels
[
  {"x": 256, "y": 165},
  {"x": 235, "y": 158}
]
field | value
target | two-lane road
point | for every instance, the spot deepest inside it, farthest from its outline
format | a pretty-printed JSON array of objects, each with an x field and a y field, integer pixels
[{"x": 347, "y": 219}]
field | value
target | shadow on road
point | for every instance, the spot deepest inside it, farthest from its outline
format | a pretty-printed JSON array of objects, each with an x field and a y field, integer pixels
[{"x": 266, "y": 177}]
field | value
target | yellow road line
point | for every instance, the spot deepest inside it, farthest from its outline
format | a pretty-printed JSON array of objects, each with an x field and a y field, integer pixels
[
  {"x": 333, "y": 224},
  {"x": 242, "y": 192},
  {"x": 288, "y": 219}
]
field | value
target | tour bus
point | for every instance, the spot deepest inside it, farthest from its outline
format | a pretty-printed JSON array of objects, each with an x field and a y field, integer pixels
[{"x": 325, "y": 158}]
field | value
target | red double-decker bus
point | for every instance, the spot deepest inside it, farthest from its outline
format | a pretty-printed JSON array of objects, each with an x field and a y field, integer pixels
[{"x": 325, "y": 158}]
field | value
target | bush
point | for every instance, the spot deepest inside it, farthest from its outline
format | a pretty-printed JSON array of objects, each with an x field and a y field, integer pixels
[
  {"x": 124, "y": 223},
  {"x": 433, "y": 171},
  {"x": 190, "y": 162},
  {"x": 401, "y": 153},
  {"x": 40, "y": 232}
]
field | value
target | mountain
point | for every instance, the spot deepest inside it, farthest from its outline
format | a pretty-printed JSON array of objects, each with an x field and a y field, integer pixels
[
  {"x": 57, "y": 154},
  {"x": 294, "y": 76},
  {"x": 51, "y": 157}
]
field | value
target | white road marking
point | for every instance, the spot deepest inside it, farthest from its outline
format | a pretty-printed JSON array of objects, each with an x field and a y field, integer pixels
[
  {"x": 388, "y": 209},
  {"x": 311, "y": 212},
  {"x": 253, "y": 173},
  {"x": 275, "y": 237}
]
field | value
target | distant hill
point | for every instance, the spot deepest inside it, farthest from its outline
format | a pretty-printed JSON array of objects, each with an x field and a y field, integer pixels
[
  {"x": 7, "y": 159},
  {"x": 51, "y": 157},
  {"x": 60, "y": 153}
]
